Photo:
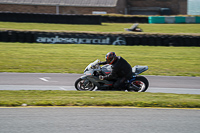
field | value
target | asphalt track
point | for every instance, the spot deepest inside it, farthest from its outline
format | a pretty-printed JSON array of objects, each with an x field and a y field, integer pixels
[
  {"x": 93, "y": 119},
  {"x": 58, "y": 81},
  {"x": 98, "y": 120}
]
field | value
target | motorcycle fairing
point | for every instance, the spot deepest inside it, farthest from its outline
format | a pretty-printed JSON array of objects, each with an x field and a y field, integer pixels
[
  {"x": 106, "y": 69},
  {"x": 139, "y": 69},
  {"x": 97, "y": 81}
]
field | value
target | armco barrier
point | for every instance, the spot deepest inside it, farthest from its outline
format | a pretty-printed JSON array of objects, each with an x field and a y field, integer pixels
[
  {"x": 179, "y": 19},
  {"x": 172, "y": 19},
  {"x": 156, "y": 19},
  {"x": 190, "y": 19},
  {"x": 102, "y": 39},
  {"x": 197, "y": 19},
  {"x": 169, "y": 20}
]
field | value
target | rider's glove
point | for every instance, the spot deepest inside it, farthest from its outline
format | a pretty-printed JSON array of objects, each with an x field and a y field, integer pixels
[{"x": 101, "y": 77}]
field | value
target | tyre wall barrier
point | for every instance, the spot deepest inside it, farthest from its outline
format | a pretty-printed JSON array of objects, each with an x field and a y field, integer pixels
[
  {"x": 102, "y": 39},
  {"x": 173, "y": 19},
  {"x": 112, "y": 19},
  {"x": 50, "y": 18}
]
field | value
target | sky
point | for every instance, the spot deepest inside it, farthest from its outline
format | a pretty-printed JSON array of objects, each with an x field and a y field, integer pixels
[{"x": 193, "y": 7}]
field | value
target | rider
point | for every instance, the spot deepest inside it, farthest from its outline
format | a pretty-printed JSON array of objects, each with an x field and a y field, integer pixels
[{"x": 121, "y": 70}]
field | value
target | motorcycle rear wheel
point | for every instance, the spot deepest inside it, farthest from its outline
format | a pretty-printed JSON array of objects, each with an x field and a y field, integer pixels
[
  {"x": 141, "y": 82},
  {"x": 84, "y": 85}
]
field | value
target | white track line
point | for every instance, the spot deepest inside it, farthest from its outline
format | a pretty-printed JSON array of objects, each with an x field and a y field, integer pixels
[{"x": 45, "y": 79}]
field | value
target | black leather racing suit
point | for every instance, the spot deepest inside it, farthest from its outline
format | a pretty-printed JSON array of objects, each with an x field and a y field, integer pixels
[{"x": 121, "y": 71}]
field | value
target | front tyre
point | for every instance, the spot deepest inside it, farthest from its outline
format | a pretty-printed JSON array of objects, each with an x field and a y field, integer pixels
[
  {"x": 84, "y": 85},
  {"x": 141, "y": 82}
]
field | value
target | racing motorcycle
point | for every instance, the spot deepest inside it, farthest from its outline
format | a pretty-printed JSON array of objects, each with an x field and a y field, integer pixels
[{"x": 90, "y": 80}]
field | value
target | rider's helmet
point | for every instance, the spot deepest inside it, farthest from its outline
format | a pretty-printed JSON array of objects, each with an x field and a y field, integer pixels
[{"x": 110, "y": 57}]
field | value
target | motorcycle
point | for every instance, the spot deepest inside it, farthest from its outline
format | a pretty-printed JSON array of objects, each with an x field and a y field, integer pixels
[{"x": 90, "y": 79}]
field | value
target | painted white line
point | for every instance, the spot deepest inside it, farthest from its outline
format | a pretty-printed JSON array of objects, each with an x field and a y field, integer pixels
[{"x": 45, "y": 79}]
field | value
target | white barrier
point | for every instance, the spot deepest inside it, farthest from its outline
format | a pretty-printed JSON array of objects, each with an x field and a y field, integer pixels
[
  {"x": 170, "y": 20},
  {"x": 190, "y": 20}
]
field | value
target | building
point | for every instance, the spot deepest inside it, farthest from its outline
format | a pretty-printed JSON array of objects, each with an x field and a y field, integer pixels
[
  {"x": 175, "y": 7},
  {"x": 147, "y": 7},
  {"x": 63, "y": 6}
]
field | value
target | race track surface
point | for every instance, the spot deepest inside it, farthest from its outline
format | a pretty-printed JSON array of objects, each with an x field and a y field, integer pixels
[
  {"x": 58, "y": 81},
  {"x": 93, "y": 119},
  {"x": 98, "y": 120}
]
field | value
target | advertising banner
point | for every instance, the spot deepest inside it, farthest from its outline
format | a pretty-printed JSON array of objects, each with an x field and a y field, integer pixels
[{"x": 80, "y": 39}]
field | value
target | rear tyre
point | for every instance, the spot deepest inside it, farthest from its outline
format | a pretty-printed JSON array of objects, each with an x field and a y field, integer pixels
[
  {"x": 141, "y": 82},
  {"x": 84, "y": 85}
]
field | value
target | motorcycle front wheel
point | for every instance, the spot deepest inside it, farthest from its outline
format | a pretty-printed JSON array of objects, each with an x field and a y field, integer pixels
[
  {"x": 141, "y": 82},
  {"x": 84, "y": 85}
]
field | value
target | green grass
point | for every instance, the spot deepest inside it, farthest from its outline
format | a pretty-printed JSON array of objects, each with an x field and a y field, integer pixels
[
  {"x": 105, "y": 27},
  {"x": 77, "y": 98},
  {"x": 73, "y": 58}
]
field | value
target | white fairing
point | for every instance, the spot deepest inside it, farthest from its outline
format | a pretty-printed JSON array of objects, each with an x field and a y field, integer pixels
[
  {"x": 139, "y": 69},
  {"x": 92, "y": 64},
  {"x": 106, "y": 68}
]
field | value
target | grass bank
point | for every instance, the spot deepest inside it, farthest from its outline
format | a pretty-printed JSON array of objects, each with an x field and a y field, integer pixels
[
  {"x": 77, "y": 98},
  {"x": 73, "y": 58},
  {"x": 105, "y": 27}
]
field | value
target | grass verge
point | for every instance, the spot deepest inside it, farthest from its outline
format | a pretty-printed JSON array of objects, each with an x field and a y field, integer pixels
[
  {"x": 79, "y": 98},
  {"x": 73, "y": 58},
  {"x": 105, "y": 27}
]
